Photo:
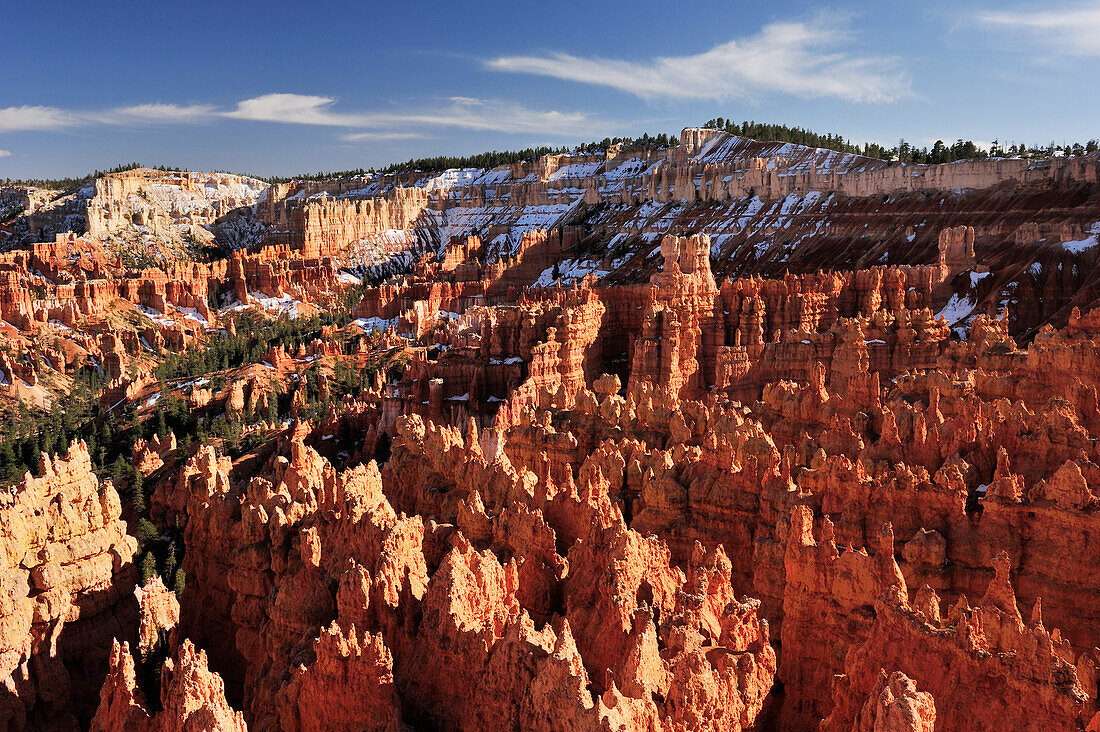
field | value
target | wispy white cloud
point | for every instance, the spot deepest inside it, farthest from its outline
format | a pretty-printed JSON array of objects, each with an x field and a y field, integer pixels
[
  {"x": 493, "y": 115},
  {"x": 380, "y": 136},
  {"x": 300, "y": 109},
  {"x": 5, "y": 153},
  {"x": 304, "y": 109},
  {"x": 801, "y": 59},
  {"x": 37, "y": 118},
  {"x": 461, "y": 112},
  {"x": 17, "y": 119},
  {"x": 1074, "y": 31},
  {"x": 160, "y": 114}
]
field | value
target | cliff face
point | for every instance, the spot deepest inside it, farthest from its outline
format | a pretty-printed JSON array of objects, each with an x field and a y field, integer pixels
[
  {"x": 856, "y": 404},
  {"x": 726, "y": 436},
  {"x": 769, "y": 209},
  {"x": 163, "y": 209},
  {"x": 68, "y": 589}
]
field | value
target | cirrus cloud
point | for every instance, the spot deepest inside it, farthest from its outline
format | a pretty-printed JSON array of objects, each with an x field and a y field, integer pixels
[
  {"x": 381, "y": 136},
  {"x": 17, "y": 119},
  {"x": 306, "y": 109},
  {"x": 461, "y": 112},
  {"x": 39, "y": 118},
  {"x": 299, "y": 109},
  {"x": 800, "y": 59},
  {"x": 5, "y": 153},
  {"x": 160, "y": 114},
  {"x": 1073, "y": 31}
]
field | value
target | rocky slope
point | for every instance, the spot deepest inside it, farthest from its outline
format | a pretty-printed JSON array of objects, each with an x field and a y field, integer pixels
[{"x": 731, "y": 435}]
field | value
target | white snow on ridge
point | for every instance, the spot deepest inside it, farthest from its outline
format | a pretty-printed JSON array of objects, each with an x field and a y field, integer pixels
[
  {"x": 576, "y": 170},
  {"x": 155, "y": 315},
  {"x": 976, "y": 277},
  {"x": 376, "y": 323},
  {"x": 495, "y": 177},
  {"x": 459, "y": 221},
  {"x": 212, "y": 194},
  {"x": 285, "y": 305},
  {"x": 192, "y": 314},
  {"x": 727, "y": 148},
  {"x": 627, "y": 169},
  {"x": 957, "y": 308},
  {"x": 1079, "y": 245},
  {"x": 570, "y": 270},
  {"x": 452, "y": 178}
]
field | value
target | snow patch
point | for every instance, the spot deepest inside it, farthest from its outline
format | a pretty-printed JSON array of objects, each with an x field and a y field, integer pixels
[
  {"x": 957, "y": 308},
  {"x": 375, "y": 323},
  {"x": 1079, "y": 245},
  {"x": 285, "y": 305},
  {"x": 570, "y": 270},
  {"x": 976, "y": 277}
]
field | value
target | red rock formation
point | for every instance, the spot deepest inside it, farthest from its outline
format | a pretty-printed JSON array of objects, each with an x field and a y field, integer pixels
[
  {"x": 160, "y": 613},
  {"x": 538, "y": 547},
  {"x": 895, "y": 705},
  {"x": 676, "y": 344},
  {"x": 69, "y": 591},
  {"x": 191, "y": 697},
  {"x": 983, "y": 666},
  {"x": 349, "y": 686}
]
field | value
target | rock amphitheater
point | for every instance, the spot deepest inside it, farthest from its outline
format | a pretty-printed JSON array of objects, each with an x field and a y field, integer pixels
[{"x": 730, "y": 435}]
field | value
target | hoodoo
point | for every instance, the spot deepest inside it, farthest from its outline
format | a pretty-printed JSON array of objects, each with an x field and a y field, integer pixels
[{"x": 701, "y": 433}]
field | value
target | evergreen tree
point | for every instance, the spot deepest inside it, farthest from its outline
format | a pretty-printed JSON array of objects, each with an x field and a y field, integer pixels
[
  {"x": 119, "y": 468},
  {"x": 179, "y": 582},
  {"x": 146, "y": 533},
  {"x": 148, "y": 567},
  {"x": 170, "y": 564},
  {"x": 137, "y": 494}
]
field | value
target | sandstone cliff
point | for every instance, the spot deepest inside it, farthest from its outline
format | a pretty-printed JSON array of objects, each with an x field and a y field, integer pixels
[{"x": 69, "y": 591}]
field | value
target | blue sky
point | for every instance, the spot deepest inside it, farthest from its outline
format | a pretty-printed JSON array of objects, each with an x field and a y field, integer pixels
[{"x": 278, "y": 88}]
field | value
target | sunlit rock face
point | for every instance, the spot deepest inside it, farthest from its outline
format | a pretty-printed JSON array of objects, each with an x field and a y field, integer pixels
[
  {"x": 719, "y": 436},
  {"x": 69, "y": 591}
]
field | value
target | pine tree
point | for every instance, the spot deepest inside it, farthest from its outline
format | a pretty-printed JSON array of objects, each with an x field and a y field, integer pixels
[
  {"x": 137, "y": 494},
  {"x": 179, "y": 582},
  {"x": 148, "y": 567},
  {"x": 171, "y": 564},
  {"x": 119, "y": 468},
  {"x": 146, "y": 533}
]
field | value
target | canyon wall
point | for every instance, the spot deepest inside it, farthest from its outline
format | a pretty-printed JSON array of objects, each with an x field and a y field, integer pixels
[
  {"x": 731, "y": 435},
  {"x": 165, "y": 204}
]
